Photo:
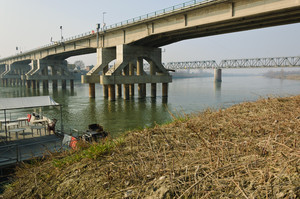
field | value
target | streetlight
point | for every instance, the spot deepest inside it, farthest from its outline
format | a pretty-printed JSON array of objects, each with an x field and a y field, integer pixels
[
  {"x": 61, "y": 37},
  {"x": 98, "y": 27},
  {"x": 103, "y": 19}
]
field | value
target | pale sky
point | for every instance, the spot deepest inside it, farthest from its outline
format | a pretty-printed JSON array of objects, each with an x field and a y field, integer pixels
[{"x": 31, "y": 23}]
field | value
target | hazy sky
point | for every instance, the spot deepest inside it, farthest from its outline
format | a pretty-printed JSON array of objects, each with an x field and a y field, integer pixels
[{"x": 31, "y": 23}]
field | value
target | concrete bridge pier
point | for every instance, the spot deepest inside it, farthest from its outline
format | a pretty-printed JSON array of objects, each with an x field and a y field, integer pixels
[
  {"x": 64, "y": 84},
  {"x": 126, "y": 86},
  {"x": 119, "y": 90},
  {"x": 218, "y": 74},
  {"x": 54, "y": 81},
  {"x": 92, "y": 91},
  {"x": 72, "y": 84},
  {"x": 124, "y": 71},
  {"x": 105, "y": 87},
  {"x": 28, "y": 84},
  {"x": 33, "y": 84},
  {"x": 111, "y": 92},
  {"x": 38, "y": 84}
]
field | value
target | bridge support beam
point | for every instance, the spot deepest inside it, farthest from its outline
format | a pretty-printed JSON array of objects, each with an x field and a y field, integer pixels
[
  {"x": 218, "y": 74},
  {"x": 92, "y": 92}
]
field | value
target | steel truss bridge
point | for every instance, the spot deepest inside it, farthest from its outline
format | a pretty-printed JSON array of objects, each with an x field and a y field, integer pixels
[{"x": 237, "y": 63}]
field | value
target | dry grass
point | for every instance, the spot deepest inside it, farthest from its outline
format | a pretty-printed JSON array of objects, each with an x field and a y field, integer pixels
[{"x": 250, "y": 150}]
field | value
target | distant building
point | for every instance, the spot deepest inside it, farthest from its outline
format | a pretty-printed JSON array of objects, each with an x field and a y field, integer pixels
[
  {"x": 71, "y": 67},
  {"x": 88, "y": 68}
]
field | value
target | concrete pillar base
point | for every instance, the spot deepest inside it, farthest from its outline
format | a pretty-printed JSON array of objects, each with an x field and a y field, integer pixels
[
  {"x": 37, "y": 84},
  {"x": 142, "y": 90},
  {"x": 126, "y": 91},
  {"x": 131, "y": 90},
  {"x": 218, "y": 75},
  {"x": 54, "y": 84},
  {"x": 64, "y": 84},
  {"x": 165, "y": 90},
  {"x": 92, "y": 92},
  {"x": 119, "y": 90},
  {"x": 28, "y": 83},
  {"x": 153, "y": 90},
  {"x": 33, "y": 84},
  {"x": 105, "y": 91},
  {"x": 111, "y": 92},
  {"x": 45, "y": 84},
  {"x": 72, "y": 84}
]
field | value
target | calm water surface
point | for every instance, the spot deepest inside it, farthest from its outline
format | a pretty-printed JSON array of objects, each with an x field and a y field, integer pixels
[{"x": 185, "y": 96}]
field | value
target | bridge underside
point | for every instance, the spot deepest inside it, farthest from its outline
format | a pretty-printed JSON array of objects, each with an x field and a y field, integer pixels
[{"x": 287, "y": 16}]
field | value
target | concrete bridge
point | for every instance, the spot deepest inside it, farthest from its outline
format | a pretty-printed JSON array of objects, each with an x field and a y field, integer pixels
[{"x": 133, "y": 41}]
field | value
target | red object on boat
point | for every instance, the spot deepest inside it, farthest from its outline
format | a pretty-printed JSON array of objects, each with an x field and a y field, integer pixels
[
  {"x": 73, "y": 143},
  {"x": 28, "y": 117}
]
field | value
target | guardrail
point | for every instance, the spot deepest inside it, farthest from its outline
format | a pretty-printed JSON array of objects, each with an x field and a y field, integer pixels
[{"x": 151, "y": 15}]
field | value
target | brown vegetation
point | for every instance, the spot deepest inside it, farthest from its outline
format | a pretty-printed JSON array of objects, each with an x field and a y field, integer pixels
[{"x": 250, "y": 150}]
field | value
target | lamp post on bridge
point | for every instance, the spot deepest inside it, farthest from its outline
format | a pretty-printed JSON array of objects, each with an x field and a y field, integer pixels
[
  {"x": 103, "y": 20},
  {"x": 98, "y": 27},
  {"x": 61, "y": 37}
]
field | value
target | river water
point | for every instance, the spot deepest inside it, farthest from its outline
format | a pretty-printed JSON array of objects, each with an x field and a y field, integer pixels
[{"x": 186, "y": 95}]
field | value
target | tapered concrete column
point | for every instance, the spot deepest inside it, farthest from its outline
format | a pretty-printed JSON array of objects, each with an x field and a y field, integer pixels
[
  {"x": 141, "y": 87},
  {"x": 54, "y": 84},
  {"x": 33, "y": 84},
  {"x": 72, "y": 84},
  {"x": 64, "y": 84},
  {"x": 131, "y": 86},
  {"x": 218, "y": 74},
  {"x": 164, "y": 89},
  {"x": 92, "y": 90},
  {"x": 111, "y": 92},
  {"x": 119, "y": 90}
]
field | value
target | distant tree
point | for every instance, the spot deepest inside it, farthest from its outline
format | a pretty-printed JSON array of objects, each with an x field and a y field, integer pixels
[{"x": 79, "y": 65}]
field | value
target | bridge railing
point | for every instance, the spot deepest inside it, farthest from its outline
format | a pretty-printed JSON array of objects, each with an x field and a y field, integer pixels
[{"x": 157, "y": 13}]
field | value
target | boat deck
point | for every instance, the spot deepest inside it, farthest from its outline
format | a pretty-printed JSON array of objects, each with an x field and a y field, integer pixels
[{"x": 24, "y": 141}]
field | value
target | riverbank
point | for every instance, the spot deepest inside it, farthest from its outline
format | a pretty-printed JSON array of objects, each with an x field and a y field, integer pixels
[{"x": 249, "y": 150}]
